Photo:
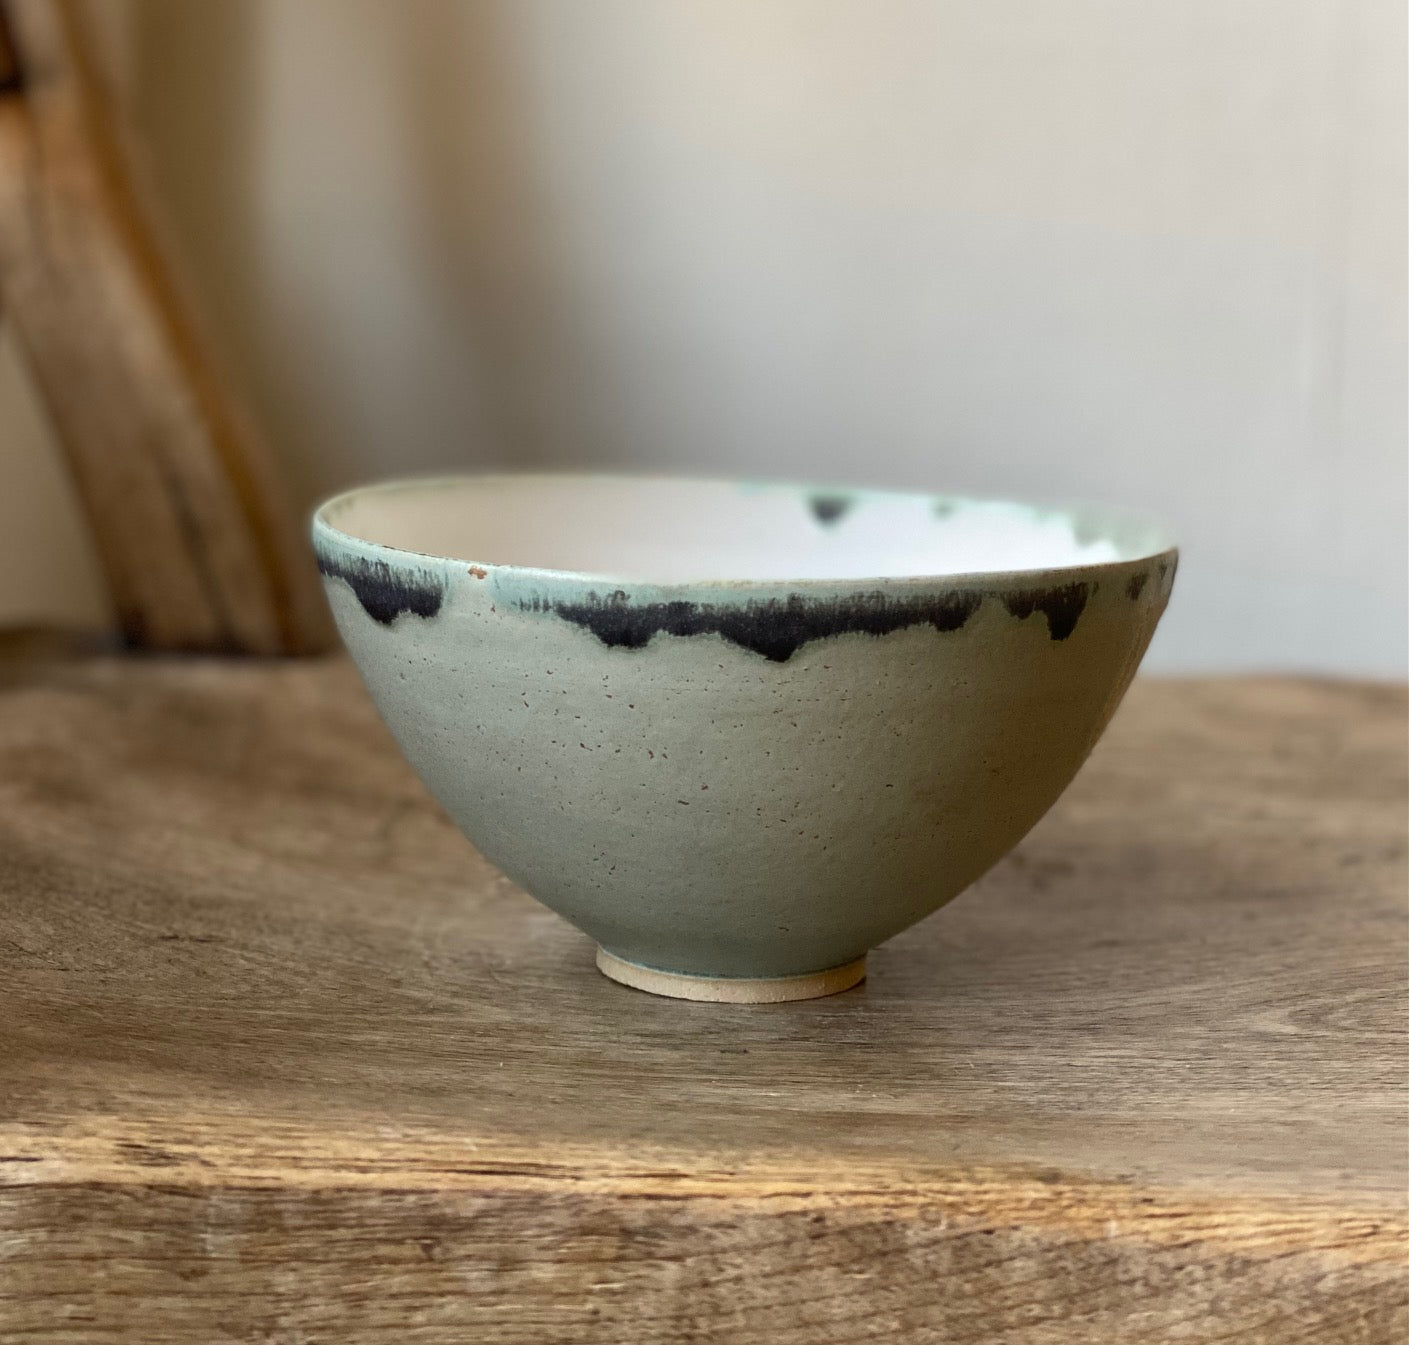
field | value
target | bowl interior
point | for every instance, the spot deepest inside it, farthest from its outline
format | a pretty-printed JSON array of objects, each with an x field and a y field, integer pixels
[{"x": 666, "y": 530}]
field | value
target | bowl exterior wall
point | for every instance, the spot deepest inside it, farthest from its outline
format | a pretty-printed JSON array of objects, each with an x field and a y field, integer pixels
[{"x": 742, "y": 781}]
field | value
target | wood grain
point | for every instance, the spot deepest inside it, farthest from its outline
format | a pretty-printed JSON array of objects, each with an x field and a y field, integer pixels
[
  {"x": 284, "y": 1060},
  {"x": 191, "y": 522}
]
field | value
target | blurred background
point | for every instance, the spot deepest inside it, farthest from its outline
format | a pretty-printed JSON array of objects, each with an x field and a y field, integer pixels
[{"x": 1145, "y": 254}]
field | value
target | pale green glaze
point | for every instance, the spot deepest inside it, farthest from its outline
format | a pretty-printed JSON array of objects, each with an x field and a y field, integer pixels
[{"x": 696, "y": 806}]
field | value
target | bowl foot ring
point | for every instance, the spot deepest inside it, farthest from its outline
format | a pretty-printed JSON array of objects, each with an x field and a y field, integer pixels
[{"x": 732, "y": 989}]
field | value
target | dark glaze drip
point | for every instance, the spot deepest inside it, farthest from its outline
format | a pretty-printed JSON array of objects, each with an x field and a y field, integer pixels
[
  {"x": 775, "y": 627},
  {"x": 829, "y": 509},
  {"x": 1062, "y": 606},
  {"x": 384, "y": 592}
]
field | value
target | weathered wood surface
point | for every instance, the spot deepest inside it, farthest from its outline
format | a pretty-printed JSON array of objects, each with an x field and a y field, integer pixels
[
  {"x": 284, "y": 1060},
  {"x": 191, "y": 521}
]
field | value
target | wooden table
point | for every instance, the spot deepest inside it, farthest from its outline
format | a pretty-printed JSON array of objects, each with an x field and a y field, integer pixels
[{"x": 284, "y": 1060}]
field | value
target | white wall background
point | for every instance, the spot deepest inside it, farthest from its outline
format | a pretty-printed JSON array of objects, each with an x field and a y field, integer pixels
[{"x": 1133, "y": 252}]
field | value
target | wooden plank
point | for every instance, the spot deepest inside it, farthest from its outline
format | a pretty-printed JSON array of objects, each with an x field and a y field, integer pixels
[
  {"x": 189, "y": 516},
  {"x": 284, "y": 1059}
]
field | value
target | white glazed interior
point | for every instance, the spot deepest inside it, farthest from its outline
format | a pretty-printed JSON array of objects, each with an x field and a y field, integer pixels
[{"x": 670, "y": 531}]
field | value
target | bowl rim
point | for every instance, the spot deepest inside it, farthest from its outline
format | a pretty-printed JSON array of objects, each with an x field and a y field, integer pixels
[{"x": 1162, "y": 549}]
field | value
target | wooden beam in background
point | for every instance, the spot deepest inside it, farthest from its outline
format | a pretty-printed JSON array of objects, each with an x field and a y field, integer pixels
[{"x": 192, "y": 526}]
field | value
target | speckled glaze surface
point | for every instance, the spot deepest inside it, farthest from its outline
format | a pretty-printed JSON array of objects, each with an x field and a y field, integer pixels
[{"x": 725, "y": 777}]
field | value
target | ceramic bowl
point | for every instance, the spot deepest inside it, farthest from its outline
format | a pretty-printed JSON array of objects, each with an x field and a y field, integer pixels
[{"x": 738, "y": 734}]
